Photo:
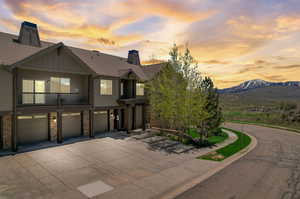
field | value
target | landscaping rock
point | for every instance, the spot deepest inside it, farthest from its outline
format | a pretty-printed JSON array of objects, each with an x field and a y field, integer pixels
[
  {"x": 180, "y": 148},
  {"x": 143, "y": 136},
  {"x": 164, "y": 144},
  {"x": 154, "y": 139}
]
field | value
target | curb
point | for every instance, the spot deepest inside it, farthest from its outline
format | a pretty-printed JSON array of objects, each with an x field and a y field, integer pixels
[
  {"x": 296, "y": 131},
  {"x": 182, "y": 188}
]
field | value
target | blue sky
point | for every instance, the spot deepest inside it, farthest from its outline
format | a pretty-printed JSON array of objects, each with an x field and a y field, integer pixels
[{"x": 232, "y": 40}]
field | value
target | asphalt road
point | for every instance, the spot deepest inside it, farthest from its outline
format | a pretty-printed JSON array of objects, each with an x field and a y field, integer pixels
[{"x": 271, "y": 170}]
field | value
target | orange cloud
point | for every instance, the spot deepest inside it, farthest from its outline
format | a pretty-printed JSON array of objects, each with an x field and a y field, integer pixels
[
  {"x": 288, "y": 23},
  {"x": 169, "y": 9}
]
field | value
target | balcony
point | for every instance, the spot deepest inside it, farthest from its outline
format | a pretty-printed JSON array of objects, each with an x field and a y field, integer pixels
[{"x": 27, "y": 99}]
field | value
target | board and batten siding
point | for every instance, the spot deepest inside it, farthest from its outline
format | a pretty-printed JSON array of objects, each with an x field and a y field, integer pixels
[
  {"x": 106, "y": 100},
  {"x": 57, "y": 60},
  {"x": 6, "y": 98}
]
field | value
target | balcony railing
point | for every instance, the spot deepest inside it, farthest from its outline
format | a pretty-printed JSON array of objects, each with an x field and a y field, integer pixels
[{"x": 51, "y": 99}]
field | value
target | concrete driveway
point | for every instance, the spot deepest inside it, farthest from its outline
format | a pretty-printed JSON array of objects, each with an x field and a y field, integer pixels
[{"x": 110, "y": 167}]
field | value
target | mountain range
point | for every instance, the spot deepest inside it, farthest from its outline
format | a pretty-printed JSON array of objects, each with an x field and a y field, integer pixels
[{"x": 258, "y": 83}]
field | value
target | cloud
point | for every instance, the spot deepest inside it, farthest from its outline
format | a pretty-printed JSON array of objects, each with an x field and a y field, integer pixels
[
  {"x": 233, "y": 40},
  {"x": 249, "y": 68},
  {"x": 214, "y": 61},
  {"x": 275, "y": 78},
  {"x": 170, "y": 9},
  {"x": 262, "y": 62},
  {"x": 295, "y": 66},
  {"x": 288, "y": 23},
  {"x": 153, "y": 61}
]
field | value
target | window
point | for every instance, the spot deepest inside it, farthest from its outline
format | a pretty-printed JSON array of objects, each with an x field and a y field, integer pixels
[
  {"x": 70, "y": 114},
  {"x": 122, "y": 89},
  {"x": 105, "y": 87},
  {"x": 140, "y": 89},
  {"x": 33, "y": 91},
  {"x": 60, "y": 85},
  {"x": 100, "y": 112}
]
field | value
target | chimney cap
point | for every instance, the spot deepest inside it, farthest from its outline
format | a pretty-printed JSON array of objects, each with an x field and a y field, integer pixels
[
  {"x": 26, "y": 23},
  {"x": 133, "y": 51}
]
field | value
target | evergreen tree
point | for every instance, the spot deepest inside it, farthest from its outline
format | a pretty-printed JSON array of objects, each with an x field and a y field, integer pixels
[{"x": 212, "y": 107}]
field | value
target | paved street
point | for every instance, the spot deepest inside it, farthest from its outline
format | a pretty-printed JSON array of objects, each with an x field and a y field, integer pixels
[
  {"x": 111, "y": 167},
  {"x": 270, "y": 171}
]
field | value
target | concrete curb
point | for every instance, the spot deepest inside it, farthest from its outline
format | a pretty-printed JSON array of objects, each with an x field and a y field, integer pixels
[
  {"x": 182, "y": 188},
  {"x": 295, "y": 131}
]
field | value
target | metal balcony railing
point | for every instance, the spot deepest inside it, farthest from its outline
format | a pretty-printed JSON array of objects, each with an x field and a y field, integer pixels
[{"x": 52, "y": 99}]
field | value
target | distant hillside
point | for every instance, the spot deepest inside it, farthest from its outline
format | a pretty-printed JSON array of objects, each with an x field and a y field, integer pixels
[
  {"x": 257, "y": 83},
  {"x": 259, "y": 93}
]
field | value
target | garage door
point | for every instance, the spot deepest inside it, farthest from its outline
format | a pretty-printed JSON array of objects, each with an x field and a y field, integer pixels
[
  {"x": 32, "y": 129},
  {"x": 100, "y": 122},
  {"x": 138, "y": 117},
  {"x": 71, "y": 125}
]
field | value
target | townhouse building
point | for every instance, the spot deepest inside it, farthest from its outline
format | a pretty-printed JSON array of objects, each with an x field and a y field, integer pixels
[{"x": 51, "y": 92}]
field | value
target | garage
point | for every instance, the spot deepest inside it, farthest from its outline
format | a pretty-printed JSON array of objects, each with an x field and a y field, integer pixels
[
  {"x": 71, "y": 125},
  {"x": 139, "y": 117},
  {"x": 32, "y": 129},
  {"x": 100, "y": 122}
]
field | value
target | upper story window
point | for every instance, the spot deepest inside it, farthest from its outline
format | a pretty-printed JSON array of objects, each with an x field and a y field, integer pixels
[
  {"x": 60, "y": 85},
  {"x": 122, "y": 89},
  {"x": 33, "y": 91},
  {"x": 106, "y": 87},
  {"x": 140, "y": 89}
]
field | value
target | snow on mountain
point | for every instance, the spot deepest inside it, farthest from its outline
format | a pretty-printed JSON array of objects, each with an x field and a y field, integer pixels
[{"x": 257, "y": 83}]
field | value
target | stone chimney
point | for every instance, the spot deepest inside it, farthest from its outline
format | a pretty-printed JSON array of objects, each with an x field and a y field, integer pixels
[
  {"x": 29, "y": 34},
  {"x": 133, "y": 57}
]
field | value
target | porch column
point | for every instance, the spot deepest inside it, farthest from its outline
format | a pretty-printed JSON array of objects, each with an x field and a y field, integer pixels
[
  {"x": 120, "y": 119},
  {"x": 14, "y": 114},
  {"x": 49, "y": 126},
  {"x": 127, "y": 118},
  {"x": 133, "y": 120},
  {"x": 144, "y": 116},
  {"x": 1, "y": 132},
  {"x": 108, "y": 120},
  {"x": 59, "y": 127},
  {"x": 91, "y": 123}
]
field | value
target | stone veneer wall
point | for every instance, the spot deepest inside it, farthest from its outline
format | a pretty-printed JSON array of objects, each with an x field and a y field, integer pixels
[
  {"x": 53, "y": 126},
  {"x": 86, "y": 125},
  {"x": 7, "y": 131}
]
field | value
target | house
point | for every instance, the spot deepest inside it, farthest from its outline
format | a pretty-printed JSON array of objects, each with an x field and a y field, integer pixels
[{"x": 53, "y": 92}]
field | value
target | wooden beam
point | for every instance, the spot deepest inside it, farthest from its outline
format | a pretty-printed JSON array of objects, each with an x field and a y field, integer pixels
[
  {"x": 82, "y": 123},
  {"x": 144, "y": 116},
  {"x": 49, "y": 126},
  {"x": 59, "y": 127},
  {"x": 14, "y": 125},
  {"x": 108, "y": 120},
  {"x": 91, "y": 123},
  {"x": 1, "y": 132}
]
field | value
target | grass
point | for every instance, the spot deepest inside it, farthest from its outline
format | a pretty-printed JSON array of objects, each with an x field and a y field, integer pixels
[
  {"x": 262, "y": 118},
  {"x": 211, "y": 140},
  {"x": 242, "y": 142},
  {"x": 267, "y": 125}
]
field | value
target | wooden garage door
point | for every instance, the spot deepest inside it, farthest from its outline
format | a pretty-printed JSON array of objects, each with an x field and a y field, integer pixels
[
  {"x": 71, "y": 125},
  {"x": 139, "y": 117},
  {"x": 100, "y": 122},
  {"x": 32, "y": 129}
]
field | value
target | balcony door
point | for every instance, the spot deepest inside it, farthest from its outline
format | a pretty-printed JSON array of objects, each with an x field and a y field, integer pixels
[{"x": 33, "y": 91}]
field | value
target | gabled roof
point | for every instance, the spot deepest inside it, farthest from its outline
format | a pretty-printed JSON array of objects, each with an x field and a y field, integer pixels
[
  {"x": 152, "y": 70},
  {"x": 13, "y": 53}
]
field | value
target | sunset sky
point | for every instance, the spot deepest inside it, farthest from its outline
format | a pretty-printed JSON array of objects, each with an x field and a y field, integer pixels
[{"x": 232, "y": 40}]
